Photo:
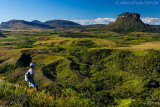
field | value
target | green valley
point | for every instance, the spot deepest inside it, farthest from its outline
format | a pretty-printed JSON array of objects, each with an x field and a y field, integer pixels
[{"x": 89, "y": 67}]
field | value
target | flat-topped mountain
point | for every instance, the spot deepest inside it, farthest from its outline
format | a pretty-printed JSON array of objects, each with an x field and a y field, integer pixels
[
  {"x": 129, "y": 22},
  {"x": 61, "y": 24},
  {"x": 25, "y": 25},
  {"x": 22, "y": 25}
]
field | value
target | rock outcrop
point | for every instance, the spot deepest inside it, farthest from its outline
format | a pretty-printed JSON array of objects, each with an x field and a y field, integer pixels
[
  {"x": 129, "y": 22},
  {"x": 127, "y": 15}
]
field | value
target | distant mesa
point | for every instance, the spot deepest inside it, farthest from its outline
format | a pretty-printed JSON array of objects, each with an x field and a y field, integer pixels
[
  {"x": 35, "y": 24},
  {"x": 127, "y": 15},
  {"x": 22, "y": 25},
  {"x": 129, "y": 22},
  {"x": 61, "y": 24}
]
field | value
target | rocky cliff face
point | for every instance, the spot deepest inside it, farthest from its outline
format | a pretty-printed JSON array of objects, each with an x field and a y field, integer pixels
[{"x": 127, "y": 15}]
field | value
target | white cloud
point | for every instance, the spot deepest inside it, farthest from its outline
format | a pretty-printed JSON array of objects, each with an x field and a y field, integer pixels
[
  {"x": 151, "y": 21},
  {"x": 95, "y": 21}
]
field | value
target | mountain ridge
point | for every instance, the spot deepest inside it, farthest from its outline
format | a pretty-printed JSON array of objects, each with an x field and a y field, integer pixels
[
  {"x": 126, "y": 22},
  {"x": 35, "y": 24}
]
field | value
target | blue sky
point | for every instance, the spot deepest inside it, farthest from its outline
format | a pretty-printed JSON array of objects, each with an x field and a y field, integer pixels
[{"x": 44, "y": 10}]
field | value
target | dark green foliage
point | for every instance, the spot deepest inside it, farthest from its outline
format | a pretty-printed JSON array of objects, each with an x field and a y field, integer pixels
[
  {"x": 50, "y": 70},
  {"x": 87, "y": 43},
  {"x": 64, "y": 72},
  {"x": 27, "y": 44},
  {"x": 140, "y": 104},
  {"x": 92, "y": 56},
  {"x": 82, "y": 35},
  {"x": 24, "y": 60},
  {"x": 76, "y": 35},
  {"x": 2, "y": 35},
  {"x": 102, "y": 98},
  {"x": 151, "y": 83},
  {"x": 49, "y": 49},
  {"x": 7, "y": 68}
]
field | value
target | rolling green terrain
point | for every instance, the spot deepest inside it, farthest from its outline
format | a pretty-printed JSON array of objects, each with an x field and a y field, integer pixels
[{"x": 81, "y": 67}]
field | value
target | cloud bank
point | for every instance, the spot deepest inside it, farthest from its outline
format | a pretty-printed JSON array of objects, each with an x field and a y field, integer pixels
[
  {"x": 151, "y": 21},
  {"x": 147, "y": 20},
  {"x": 95, "y": 21}
]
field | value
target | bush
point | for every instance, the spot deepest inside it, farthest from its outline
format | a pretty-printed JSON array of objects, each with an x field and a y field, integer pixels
[{"x": 12, "y": 95}]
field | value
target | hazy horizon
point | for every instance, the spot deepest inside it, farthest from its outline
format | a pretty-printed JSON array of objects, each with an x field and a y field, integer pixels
[{"x": 147, "y": 20}]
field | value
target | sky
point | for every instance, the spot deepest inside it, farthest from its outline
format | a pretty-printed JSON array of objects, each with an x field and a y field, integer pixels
[{"x": 80, "y": 11}]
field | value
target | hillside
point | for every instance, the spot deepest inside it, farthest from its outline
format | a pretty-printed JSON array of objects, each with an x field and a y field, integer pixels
[
  {"x": 157, "y": 27},
  {"x": 95, "y": 26},
  {"x": 129, "y": 22},
  {"x": 87, "y": 67},
  {"x": 19, "y": 96}
]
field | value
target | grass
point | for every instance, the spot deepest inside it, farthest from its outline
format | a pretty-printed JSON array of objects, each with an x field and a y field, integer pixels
[
  {"x": 9, "y": 55},
  {"x": 147, "y": 45},
  {"x": 71, "y": 41},
  {"x": 139, "y": 52},
  {"x": 125, "y": 102}
]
